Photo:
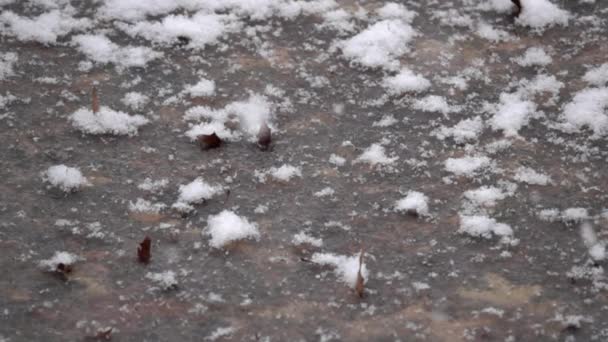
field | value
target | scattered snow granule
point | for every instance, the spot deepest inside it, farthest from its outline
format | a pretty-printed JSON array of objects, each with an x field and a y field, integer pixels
[
  {"x": 414, "y": 203},
  {"x": 227, "y": 226},
  {"x": 494, "y": 311},
  {"x": 135, "y": 100},
  {"x": 539, "y": 14},
  {"x": 512, "y": 114},
  {"x": 574, "y": 215},
  {"x": 327, "y": 191},
  {"x": 106, "y": 121},
  {"x": 534, "y": 56},
  {"x": 420, "y": 286},
  {"x": 483, "y": 226},
  {"x": 220, "y": 332},
  {"x": 374, "y": 155},
  {"x": 64, "y": 177},
  {"x": 596, "y": 76},
  {"x": 336, "y": 160},
  {"x": 380, "y": 44},
  {"x": 465, "y": 130},
  {"x": 7, "y": 62},
  {"x": 45, "y": 28},
  {"x": 597, "y": 249},
  {"x": 549, "y": 215},
  {"x": 203, "y": 88},
  {"x": 64, "y": 258},
  {"x": 466, "y": 166},
  {"x": 432, "y": 103},
  {"x": 143, "y": 206},
  {"x": 166, "y": 280},
  {"x": 393, "y": 10},
  {"x": 405, "y": 81},
  {"x": 529, "y": 176},
  {"x": 485, "y": 196},
  {"x": 346, "y": 268},
  {"x": 303, "y": 238},
  {"x": 261, "y": 209},
  {"x": 486, "y": 31},
  {"x": 285, "y": 172},
  {"x": 386, "y": 121},
  {"x": 153, "y": 186},
  {"x": 588, "y": 109},
  {"x": 100, "y": 49},
  {"x": 198, "y": 191}
]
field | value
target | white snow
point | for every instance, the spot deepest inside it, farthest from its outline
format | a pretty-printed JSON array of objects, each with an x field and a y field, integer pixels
[
  {"x": 204, "y": 87},
  {"x": 587, "y": 109},
  {"x": 393, "y": 10},
  {"x": 380, "y": 44},
  {"x": 465, "y": 130},
  {"x": 45, "y": 28},
  {"x": 376, "y": 155},
  {"x": 327, "y": 191},
  {"x": 106, "y": 121},
  {"x": 59, "y": 258},
  {"x": 385, "y": 121},
  {"x": 432, "y": 103},
  {"x": 143, "y": 206},
  {"x": 346, "y": 268},
  {"x": 64, "y": 177},
  {"x": 485, "y": 196},
  {"x": 534, "y": 56},
  {"x": 7, "y": 63},
  {"x": 285, "y": 172},
  {"x": 135, "y": 100},
  {"x": 574, "y": 214},
  {"x": 540, "y": 14},
  {"x": 597, "y": 249},
  {"x": 227, "y": 227},
  {"x": 414, "y": 202},
  {"x": 102, "y": 50},
  {"x": 406, "y": 81},
  {"x": 337, "y": 160},
  {"x": 530, "y": 176},
  {"x": 197, "y": 191},
  {"x": 596, "y": 76},
  {"x": 487, "y": 31},
  {"x": 153, "y": 186},
  {"x": 483, "y": 226},
  {"x": 303, "y": 238},
  {"x": 512, "y": 114},
  {"x": 467, "y": 166},
  {"x": 166, "y": 280}
]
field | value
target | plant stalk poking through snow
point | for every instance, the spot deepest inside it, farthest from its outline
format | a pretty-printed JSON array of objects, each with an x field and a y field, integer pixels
[
  {"x": 209, "y": 141},
  {"x": 264, "y": 137},
  {"x": 143, "y": 251},
  {"x": 360, "y": 284},
  {"x": 94, "y": 100}
]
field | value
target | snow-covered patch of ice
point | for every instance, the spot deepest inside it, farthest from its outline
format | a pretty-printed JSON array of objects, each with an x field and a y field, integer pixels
[
  {"x": 65, "y": 178},
  {"x": 346, "y": 268},
  {"x": 166, "y": 280},
  {"x": 485, "y": 227},
  {"x": 135, "y": 100},
  {"x": 597, "y": 76},
  {"x": 204, "y": 87},
  {"x": 485, "y": 196},
  {"x": 379, "y": 45},
  {"x": 227, "y": 227},
  {"x": 7, "y": 63},
  {"x": 588, "y": 109},
  {"x": 303, "y": 238},
  {"x": 540, "y": 14},
  {"x": 534, "y": 56},
  {"x": 102, "y": 50},
  {"x": 512, "y": 114},
  {"x": 375, "y": 155},
  {"x": 45, "y": 28},
  {"x": 406, "y": 81},
  {"x": 65, "y": 258},
  {"x": 530, "y": 176},
  {"x": 106, "y": 121},
  {"x": 433, "y": 103},
  {"x": 143, "y": 206},
  {"x": 467, "y": 166},
  {"x": 413, "y": 203},
  {"x": 465, "y": 130}
]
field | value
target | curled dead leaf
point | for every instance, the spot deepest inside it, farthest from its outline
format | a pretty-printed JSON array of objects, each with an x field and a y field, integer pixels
[
  {"x": 209, "y": 141},
  {"x": 264, "y": 137},
  {"x": 94, "y": 100},
  {"x": 360, "y": 285},
  {"x": 517, "y": 3},
  {"x": 143, "y": 251}
]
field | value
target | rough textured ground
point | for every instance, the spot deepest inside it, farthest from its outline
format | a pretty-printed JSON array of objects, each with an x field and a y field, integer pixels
[{"x": 478, "y": 289}]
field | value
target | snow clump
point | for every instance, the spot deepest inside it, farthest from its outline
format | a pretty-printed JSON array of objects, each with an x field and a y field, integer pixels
[
  {"x": 414, "y": 203},
  {"x": 346, "y": 268},
  {"x": 539, "y": 14},
  {"x": 166, "y": 280},
  {"x": 227, "y": 227},
  {"x": 65, "y": 178},
  {"x": 106, "y": 121},
  {"x": 65, "y": 258},
  {"x": 485, "y": 227}
]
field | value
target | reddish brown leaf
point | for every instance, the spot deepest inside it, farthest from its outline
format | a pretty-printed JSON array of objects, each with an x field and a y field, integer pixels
[
  {"x": 264, "y": 137},
  {"x": 143, "y": 251},
  {"x": 517, "y": 3},
  {"x": 94, "y": 100},
  {"x": 360, "y": 285},
  {"x": 209, "y": 141}
]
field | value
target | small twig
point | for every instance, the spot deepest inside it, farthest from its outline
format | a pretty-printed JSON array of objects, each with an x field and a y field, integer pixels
[{"x": 94, "y": 100}]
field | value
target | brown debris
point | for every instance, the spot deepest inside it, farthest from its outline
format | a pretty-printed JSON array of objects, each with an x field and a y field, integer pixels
[
  {"x": 209, "y": 141},
  {"x": 517, "y": 3},
  {"x": 360, "y": 285},
  {"x": 104, "y": 334},
  {"x": 264, "y": 137},
  {"x": 143, "y": 251},
  {"x": 94, "y": 100}
]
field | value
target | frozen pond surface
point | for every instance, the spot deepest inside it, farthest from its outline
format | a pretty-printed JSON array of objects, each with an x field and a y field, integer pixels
[{"x": 509, "y": 240}]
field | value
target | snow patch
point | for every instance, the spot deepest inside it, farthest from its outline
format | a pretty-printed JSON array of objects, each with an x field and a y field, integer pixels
[{"x": 227, "y": 227}]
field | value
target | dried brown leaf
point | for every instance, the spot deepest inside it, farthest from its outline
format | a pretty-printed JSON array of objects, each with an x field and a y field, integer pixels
[
  {"x": 517, "y": 3},
  {"x": 264, "y": 137},
  {"x": 94, "y": 100},
  {"x": 209, "y": 141},
  {"x": 360, "y": 285},
  {"x": 104, "y": 334},
  {"x": 143, "y": 251}
]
